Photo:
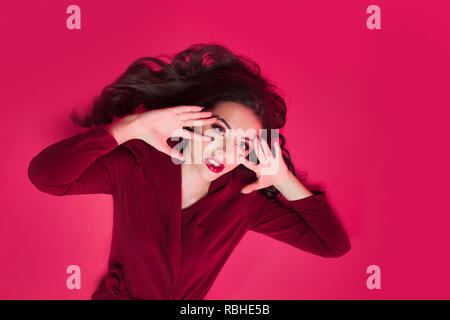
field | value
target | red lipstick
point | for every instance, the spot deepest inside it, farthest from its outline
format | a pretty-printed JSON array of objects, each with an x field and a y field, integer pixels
[{"x": 214, "y": 165}]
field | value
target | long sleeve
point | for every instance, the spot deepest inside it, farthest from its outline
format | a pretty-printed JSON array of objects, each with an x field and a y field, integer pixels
[
  {"x": 308, "y": 224},
  {"x": 88, "y": 162}
]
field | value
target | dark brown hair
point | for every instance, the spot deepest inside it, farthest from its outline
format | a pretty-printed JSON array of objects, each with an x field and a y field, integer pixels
[{"x": 203, "y": 74}]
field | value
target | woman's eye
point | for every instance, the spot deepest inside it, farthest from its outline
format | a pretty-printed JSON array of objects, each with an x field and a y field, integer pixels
[
  {"x": 218, "y": 129},
  {"x": 244, "y": 146}
]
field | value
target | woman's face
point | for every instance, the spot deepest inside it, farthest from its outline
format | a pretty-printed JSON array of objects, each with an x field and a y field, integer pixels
[{"x": 233, "y": 132}]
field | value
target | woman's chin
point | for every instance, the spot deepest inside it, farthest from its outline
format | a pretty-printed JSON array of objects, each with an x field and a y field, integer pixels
[{"x": 209, "y": 174}]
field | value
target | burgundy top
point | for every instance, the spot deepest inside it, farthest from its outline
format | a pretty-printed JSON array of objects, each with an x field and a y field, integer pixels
[{"x": 159, "y": 251}]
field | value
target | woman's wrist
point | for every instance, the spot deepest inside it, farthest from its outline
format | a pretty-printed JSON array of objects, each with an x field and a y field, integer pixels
[
  {"x": 292, "y": 189},
  {"x": 124, "y": 129}
]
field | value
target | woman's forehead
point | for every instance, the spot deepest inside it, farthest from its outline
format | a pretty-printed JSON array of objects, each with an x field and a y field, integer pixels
[
  {"x": 248, "y": 133},
  {"x": 236, "y": 116}
]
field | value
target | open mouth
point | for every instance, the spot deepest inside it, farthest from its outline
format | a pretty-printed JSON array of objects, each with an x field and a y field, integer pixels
[{"x": 214, "y": 165}]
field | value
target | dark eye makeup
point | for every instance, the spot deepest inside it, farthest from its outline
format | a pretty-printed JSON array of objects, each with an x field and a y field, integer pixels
[{"x": 215, "y": 126}]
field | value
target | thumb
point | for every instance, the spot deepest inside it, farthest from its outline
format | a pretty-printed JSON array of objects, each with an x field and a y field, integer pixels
[
  {"x": 250, "y": 188},
  {"x": 172, "y": 152}
]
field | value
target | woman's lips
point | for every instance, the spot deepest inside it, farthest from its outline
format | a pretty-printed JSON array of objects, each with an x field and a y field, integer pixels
[{"x": 216, "y": 167}]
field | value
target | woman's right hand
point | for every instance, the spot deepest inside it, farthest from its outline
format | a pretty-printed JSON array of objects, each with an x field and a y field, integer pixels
[{"x": 157, "y": 125}]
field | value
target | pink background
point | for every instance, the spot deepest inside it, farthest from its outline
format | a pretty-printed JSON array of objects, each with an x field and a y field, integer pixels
[{"x": 368, "y": 119}]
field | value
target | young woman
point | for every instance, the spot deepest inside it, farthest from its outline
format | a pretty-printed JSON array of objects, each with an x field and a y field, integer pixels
[{"x": 176, "y": 223}]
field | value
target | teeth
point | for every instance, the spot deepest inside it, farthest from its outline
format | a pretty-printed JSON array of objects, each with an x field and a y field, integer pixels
[{"x": 214, "y": 162}]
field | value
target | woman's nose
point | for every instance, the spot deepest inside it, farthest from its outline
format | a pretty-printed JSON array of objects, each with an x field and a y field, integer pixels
[
  {"x": 224, "y": 152},
  {"x": 219, "y": 154}
]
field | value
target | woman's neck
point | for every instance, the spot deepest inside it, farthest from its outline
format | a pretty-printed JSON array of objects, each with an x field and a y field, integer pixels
[{"x": 193, "y": 185}]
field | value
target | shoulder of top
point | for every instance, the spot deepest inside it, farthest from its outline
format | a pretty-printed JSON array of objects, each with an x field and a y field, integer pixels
[{"x": 138, "y": 149}]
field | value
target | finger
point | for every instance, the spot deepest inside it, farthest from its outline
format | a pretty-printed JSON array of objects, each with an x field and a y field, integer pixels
[
  {"x": 251, "y": 187},
  {"x": 258, "y": 150},
  {"x": 194, "y": 115},
  {"x": 198, "y": 122},
  {"x": 278, "y": 152},
  {"x": 184, "y": 108},
  {"x": 248, "y": 164},
  {"x": 194, "y": 135},
  {"x": 266, "y": 149}
]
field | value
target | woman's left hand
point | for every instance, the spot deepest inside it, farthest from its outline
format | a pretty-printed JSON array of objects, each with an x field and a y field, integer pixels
[{"x": 270, "y": 170}]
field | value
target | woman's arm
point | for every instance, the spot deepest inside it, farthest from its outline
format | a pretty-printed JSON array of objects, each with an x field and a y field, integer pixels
[
  {"x": 292, "y": 188},
  {"x": 88, "y": 162},
  {"x": 307, "y": 223}
]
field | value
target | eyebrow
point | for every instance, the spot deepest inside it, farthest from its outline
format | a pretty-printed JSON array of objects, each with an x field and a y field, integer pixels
[
  {"x": 228, "y": 126},
  {"x": 223, "y": 120}
]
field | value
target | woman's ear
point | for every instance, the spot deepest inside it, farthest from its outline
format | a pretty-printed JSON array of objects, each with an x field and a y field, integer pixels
[{"x": 140, "y": 108}]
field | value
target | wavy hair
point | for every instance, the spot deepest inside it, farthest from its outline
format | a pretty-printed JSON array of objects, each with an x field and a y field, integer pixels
[{"x": 204, "y": 75}]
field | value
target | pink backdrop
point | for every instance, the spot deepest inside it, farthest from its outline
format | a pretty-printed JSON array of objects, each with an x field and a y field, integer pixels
[{"x": 368, "y": 119}]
